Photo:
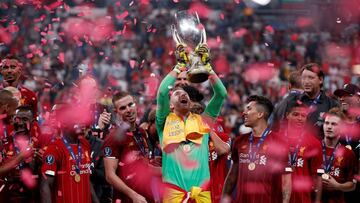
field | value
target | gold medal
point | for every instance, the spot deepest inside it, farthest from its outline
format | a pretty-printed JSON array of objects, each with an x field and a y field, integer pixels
[
  {"x": 325, "y": 176},
  {"x": 348, "y": 146},
  {"x": 251, "y": 166},
  {"x": 186, "y": 148},
  {"x": 77, "y": 178}
]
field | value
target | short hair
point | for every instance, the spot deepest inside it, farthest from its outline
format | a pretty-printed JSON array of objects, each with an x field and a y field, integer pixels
[
  {"x": 264, "y": 102},
  {"x": 336, "y": 111},
  {"x": 294, "y": 104},
  {"x": 24, "y": 108},
  {"x": 119, "y": 95},
  {"x": 315, "y": 68},
  {"x": 194, "y": 94},
  {"x": 295, "y": 79},
  {"x": 10, "y": 57},
  {"x": 6, "y": 97}
]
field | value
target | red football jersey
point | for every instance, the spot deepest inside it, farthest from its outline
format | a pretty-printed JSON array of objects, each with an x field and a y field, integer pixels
[
  {"x": 58, "y": 162},
  {"x": 133, "y": 166},
  {"x": 308, "y": 160},
  {"x": 217, "y": 164},
  {"x": 342, "y": 170},
  {"x": 263, "y": 184}
]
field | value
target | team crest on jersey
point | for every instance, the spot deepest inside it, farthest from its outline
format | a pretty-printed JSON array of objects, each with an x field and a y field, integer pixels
[
  {"x": 107, "y": 151},
  {"x": 301, "y": 151},
  {"x": 339, "y": 160},
  {"x": 49, "y": 159}
]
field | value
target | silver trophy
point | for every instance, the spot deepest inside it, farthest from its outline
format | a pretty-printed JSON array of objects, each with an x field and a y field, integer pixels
[{"x": 188, "y": 31}]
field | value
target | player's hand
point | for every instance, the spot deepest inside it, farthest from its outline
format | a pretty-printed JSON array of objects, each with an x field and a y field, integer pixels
[
  {"x": 330, "y": 184},
  {"x": 182, "y": 57},
  {"x": 136, "y": 198},
  {"x": 104, "y": 119},
  {"x": 204, "y": 52}
]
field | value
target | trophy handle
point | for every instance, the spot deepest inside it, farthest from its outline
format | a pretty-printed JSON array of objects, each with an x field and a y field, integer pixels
[
  {"x": 176, "y": 36},
  {"x": 203, "y": 36}
]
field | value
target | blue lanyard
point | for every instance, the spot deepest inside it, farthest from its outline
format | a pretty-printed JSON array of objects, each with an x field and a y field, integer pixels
[
  {"x": 17, "y": 151},
  {"x": 252, "y": 155},
  {"x": 328, "y": 163},
  {"x": 77, "y": 166},
  {"x": 316, "y": 100},
  {"x": 139, "y": 141},
  {"x": 293, "y": 156}
]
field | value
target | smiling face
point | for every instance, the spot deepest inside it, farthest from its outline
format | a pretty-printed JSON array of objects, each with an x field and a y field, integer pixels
[
  {"x": 125, "y": 108},
  {"x": 331, "y": 126},
  {"x": 11, "y": 72},
  {"x": 252, "y": 114},
  {"x": 180, "y": 101},
  {"x": 297, "y": 117},
  {"x": 311, "y": 82}
]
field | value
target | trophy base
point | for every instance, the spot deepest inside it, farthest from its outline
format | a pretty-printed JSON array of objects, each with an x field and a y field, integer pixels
[{"x": 197, "y": 76}]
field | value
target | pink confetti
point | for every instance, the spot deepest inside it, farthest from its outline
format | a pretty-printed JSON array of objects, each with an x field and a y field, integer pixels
[
  {"x": 259, "y": 72},
  {"x": 151, "y": 86},
  {"x": 222, "y": 17},
  {"x": 122, "y": 15},
  {"x": 28, "y": 178},
  {"x": 132, "y": 63},
  {"x": 59, "y": 193},
  {"x": 218, "y": 39},
  {"x": 5, "y": 37},
  {"x": 303, "y": 21},
  {"x": 202, "y": 10},
  {"x": 240, "y": 32},
  {"x": 176, "y": 1},
  {"x": 61, "y": 57},
  {"x": 302, "y": 184},
  {"x": 269, "y": 29},
  {"x": 237, "y": 1},
  {"x": 131, "y": 3}
]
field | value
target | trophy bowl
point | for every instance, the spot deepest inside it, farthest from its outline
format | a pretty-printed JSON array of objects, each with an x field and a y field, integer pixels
[{"x": 188, "y": 31}]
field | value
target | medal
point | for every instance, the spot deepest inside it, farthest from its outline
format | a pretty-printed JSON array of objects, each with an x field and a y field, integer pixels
[
  {"x": 251, "y": 166},
  {"x": 325, "y": 176},
  {"x": 348, "y": 146},
  {"x": 252, "y": 154},
  {"x": 77, "y": 178},
  {"x": 186, "y": 148}
]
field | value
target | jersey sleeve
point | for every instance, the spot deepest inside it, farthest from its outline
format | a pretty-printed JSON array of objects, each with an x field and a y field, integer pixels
[
  {"x": 111, "y": 148},
  {"x": 351, "y": 165},
  {"x": 51, "y": 160}
]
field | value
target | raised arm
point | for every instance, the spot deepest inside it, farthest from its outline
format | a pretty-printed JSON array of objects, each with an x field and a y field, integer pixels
[
  {"x": 231, "y": 179},
  {"x": 163, "y": 100},
  {"x": 214, "y": 107}
]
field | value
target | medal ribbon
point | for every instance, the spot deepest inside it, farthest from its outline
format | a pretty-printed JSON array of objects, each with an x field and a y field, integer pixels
[
  {"x": 328, "y": 163},
  {"x": 72, "y": 154},
  {"x": 252, "y": 155},
  {"x": 293, "y": 156},
  {"x": 139, "y": 142}
]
